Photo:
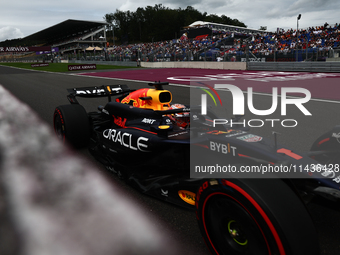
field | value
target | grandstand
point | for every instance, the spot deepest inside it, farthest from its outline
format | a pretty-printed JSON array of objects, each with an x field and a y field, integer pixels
[
  {"x": 216, "y": 42},
  {"x": 199, "y": 28},
  {"x": 203, "y": 41},
  {"x": 72, "y": 35},
  {"x": 67, "y": 36}
]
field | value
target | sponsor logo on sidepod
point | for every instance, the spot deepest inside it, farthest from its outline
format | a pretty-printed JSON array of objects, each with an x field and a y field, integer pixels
[{"x": 187, "y": 196}]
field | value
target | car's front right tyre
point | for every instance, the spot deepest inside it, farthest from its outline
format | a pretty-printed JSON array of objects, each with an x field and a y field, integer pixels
[{"x": 254, "y": 217}]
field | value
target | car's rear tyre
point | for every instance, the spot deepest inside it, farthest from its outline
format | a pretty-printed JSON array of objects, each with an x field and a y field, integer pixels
[
  {"x": 254, "y": 216},
  {"x": 71, "y": 125}
]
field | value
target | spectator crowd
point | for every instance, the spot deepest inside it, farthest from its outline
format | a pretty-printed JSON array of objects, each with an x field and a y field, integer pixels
[
  {"x": 321, "y": 38},
  {"x": 218, "y": 46}
]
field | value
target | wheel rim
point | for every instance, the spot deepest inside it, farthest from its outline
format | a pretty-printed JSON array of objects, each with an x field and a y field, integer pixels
[
  {"x": 231, "y": 228},
  {"x": 236, "y": 233}
]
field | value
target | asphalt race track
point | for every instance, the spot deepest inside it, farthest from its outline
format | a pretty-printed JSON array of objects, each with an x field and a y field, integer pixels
[{"x": 44, "y": 91}]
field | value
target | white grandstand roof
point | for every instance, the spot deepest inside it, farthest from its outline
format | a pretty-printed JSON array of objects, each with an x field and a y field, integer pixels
[
  {"x": 205, "y": 23},
  {"x": 199, "y": 23}
]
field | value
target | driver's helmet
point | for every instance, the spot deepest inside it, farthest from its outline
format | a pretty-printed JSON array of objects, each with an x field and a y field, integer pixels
[{"x": 181, "y": 119}]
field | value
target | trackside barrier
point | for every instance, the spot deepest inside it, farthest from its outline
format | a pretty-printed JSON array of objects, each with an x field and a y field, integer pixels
[
  {"x": 54, "y": 202},
  {"x": 197, "y": 64},
  {"x": 114, "y": 63},
  {"x": 329, "y": 66},
  {"x": 261, "y": 66},
  {"x": 295, "y": 66}
]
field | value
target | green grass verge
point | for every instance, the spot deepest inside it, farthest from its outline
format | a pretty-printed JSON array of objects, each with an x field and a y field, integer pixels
[{"x": 60, "y": 67}]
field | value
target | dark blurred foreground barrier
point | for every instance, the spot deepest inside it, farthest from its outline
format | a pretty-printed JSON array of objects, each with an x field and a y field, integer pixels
[{"x": 53, "y": 202}]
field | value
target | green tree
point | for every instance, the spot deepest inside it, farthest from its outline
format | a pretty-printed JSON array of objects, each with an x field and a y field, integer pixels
[{"x": 156, "y": 23}]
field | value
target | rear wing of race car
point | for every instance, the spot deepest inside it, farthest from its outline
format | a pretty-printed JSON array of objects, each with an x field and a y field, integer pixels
[{"x": 101, "y": 91}]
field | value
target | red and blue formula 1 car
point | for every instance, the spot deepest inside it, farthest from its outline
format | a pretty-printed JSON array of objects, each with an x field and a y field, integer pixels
[{"x": 148, "y": 141}]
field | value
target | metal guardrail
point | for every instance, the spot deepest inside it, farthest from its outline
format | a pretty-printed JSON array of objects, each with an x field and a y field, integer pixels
[{"x": 295, "y": 66}]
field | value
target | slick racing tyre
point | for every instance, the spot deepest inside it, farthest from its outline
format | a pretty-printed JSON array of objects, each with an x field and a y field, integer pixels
[
  {"x": 254, "y": 216},
  {"x": 71, "y": 125}
]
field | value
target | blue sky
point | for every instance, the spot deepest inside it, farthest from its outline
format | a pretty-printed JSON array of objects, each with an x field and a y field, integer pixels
[{"x": 20, "y": 18}]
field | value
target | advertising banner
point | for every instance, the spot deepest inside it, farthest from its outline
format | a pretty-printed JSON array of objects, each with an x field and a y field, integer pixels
[
  {"x": 40, "y": 65},
  {"x": 24, "y": 49},
  {"x": 82, "y": 67}
]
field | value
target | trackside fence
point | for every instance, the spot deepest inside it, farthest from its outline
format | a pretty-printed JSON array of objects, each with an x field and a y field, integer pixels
[{"x": 295, "y": 66}]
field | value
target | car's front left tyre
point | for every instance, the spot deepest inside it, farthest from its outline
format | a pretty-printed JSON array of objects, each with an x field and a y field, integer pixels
[{"x": 71, "y": 125}]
